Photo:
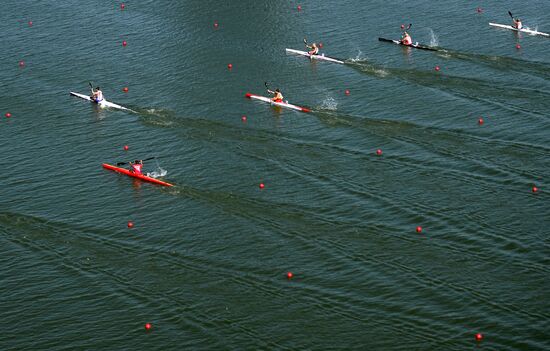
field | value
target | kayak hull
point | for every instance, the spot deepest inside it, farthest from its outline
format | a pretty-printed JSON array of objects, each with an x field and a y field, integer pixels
[
  {"x": 134, "y": 175},
  {"x": 103, "y": 103},
  {"x": 416, "y": 46},
  {"x": 317, "y": 57},
  {"x": 522, "y": 30},
  {"x": 281, "y": 104}
]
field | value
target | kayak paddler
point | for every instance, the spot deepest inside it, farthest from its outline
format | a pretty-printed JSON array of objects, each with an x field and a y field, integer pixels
[
  {"x": 517, "y": 23},
  {"x": 136, "y": 166},
  {"x": 97, "y": 95},
  {"x": 406, "y": 39},
  {"x": 277, "y": 96},
  {"x": 313, "y": 49}
]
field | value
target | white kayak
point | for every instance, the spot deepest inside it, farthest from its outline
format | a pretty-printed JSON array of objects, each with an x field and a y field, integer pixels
[
  {"x": 103, "y": 103},
  {"x": 522, "y": 30},
  {"x": 317, "y": 57},
  {"x": 281, "y": 104}
]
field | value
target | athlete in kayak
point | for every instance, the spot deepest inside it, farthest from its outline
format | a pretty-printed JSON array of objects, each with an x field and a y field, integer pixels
[
  {"x": 406, "y": 39},
  {"x": 97, "y": 95},
  {"x": 313, "y": 49},
  {"x": 136, "y": 166},
  {"x": 517, "y": 23},
  {"x": 277, "y": 96}
]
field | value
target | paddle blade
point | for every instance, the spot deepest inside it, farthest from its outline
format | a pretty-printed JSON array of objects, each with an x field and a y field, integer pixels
[{"x": 510, "y": 13}]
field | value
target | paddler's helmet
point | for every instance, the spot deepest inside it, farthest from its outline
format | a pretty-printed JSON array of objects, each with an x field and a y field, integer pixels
[
  {"x": 97, "y": 88},
  {"x": 138, "y": 161}
]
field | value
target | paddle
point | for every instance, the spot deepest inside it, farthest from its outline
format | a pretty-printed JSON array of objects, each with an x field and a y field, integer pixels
[
  {"x": 91, "y": 87},
  {"x": 305, "y": 42},
  {"x": 408, "y": 27},
  {"x": 510, "y": 13},
  {"x": 268, "y": 90},
  {"x": 145, "y": 159}
]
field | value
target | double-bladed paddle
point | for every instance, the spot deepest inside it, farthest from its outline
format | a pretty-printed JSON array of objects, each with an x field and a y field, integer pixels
[{"x": 145, "y": 159}]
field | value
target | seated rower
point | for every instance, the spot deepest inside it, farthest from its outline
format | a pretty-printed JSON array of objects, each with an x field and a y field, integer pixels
[
  {"x": 517, "y": 23},
  {"x": 136, "y": 166},
  {"x": 313, "y": 49},
  {"x": 278, "y": 97},
  {"x": 406, "y": 39},
  {"x": 97, "y": 95}
]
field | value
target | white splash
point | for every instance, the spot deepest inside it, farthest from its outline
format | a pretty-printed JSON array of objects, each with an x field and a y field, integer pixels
[
  {"x": 160, "y": 173},
  {"x": 329, "y": 104},
  {"x": 434, "y": 39}
]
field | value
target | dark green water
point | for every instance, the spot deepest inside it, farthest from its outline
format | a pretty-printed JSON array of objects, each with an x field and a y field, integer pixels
[{"x": 206, "y": 261}]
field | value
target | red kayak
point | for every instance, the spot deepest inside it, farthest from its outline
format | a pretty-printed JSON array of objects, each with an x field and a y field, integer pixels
[{"x": 134, "y": 175}]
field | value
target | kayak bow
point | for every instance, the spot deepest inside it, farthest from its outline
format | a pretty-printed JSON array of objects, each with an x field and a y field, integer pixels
[
  {"x": 416, "y": 45},
  {"x": 281, "y": 104},
  {"x": 522, "y": 30},
  {"x": 317, "y": 57},
  {"x": 103, "y": 103},
  {"x": 134, "y": 175}
]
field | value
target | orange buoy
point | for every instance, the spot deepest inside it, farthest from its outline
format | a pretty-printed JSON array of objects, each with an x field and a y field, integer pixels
[
  {"x": 289, "y": 275},
  {"x": 479, "y": 336},
  {"x": 125, "y": 89},
  {"x": 148, "y": 326},
  {"x": 419, "y": 229},
  {"x": 130, "y": 224}
]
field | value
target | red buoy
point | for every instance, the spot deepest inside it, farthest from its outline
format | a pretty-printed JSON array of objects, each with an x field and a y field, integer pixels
[
  {"x": 320, "y": 45},
  {"x": 229, "y": 66},
  {"x": 216, "y": 24},
  {"x": 124, "y": 43},
  {"x": 479, "y": 336},
  {"x": 122, "y": 6},
  {"x": 262, "y": 185},
  {"x": 480, "y": 121},
  {"x": 125, "y": 147},
  {"x": 437, "y": 68},
  {"x": 299, "y": 7},
  {"x": 535, "y": 190},
  {"x": 125, "y": 89},
  {"x": 21, "y": 63},
  {"x": 243, "y": 118},
  {"x": 479, "y": 10},
  {"x": 147, "y": 326},
  {"x": 130, "y": 224},
  {"x": 402, "y": 26},
  {"x": 379, "y": 152},
  {"x": 419, "y": 229},
  {"x": 30, "y": 23},
  {"x": 518, "y": 46},
  {"x": 346, "y": 92},
  {"x": 289, "y": 275}
]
